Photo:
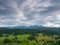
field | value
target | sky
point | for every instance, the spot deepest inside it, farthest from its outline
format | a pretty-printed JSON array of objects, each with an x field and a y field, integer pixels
[{"x": 30, "y": 12}]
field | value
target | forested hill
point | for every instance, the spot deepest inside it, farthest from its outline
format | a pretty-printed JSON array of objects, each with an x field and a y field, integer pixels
[{"x": 44, "y": 30}]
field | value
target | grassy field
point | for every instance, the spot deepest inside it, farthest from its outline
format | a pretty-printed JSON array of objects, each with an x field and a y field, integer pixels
[
  {"x": 42, "y": 36},
  {"x": 28, "y": 39}
]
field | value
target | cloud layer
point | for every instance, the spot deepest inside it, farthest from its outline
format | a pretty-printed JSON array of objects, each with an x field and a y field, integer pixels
[{"x": 30, "y": 12}]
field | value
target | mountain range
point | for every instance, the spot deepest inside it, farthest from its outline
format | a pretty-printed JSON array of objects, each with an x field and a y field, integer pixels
[{"x": 27, "y": 27}]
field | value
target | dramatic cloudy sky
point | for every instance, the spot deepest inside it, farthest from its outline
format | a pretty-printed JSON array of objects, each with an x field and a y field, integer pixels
[{"x": 30, "y": 12}]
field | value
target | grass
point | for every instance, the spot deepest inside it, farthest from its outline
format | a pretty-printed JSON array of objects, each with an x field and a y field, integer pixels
[{"x": 25, "y": 40}]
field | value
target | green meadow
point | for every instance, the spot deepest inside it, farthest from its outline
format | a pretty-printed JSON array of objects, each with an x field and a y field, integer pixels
[{"x": 28, "y": 37}]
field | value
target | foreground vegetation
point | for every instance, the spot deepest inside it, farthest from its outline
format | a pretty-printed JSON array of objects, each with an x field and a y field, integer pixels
[{"x": 29, "y": 37}]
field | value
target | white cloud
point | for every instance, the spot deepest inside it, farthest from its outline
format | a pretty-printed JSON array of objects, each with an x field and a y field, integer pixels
[{"x": 49, "y": 24}]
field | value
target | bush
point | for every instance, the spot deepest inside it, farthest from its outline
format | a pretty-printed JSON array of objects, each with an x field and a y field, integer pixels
[
  {"x": 58, "y": 42},
  {"x": 7, "y": 40},
  {"x": 31, "y": 38}
]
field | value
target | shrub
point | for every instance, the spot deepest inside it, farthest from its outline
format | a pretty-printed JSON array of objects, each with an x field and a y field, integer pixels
[{"x": 7, "y": 40}]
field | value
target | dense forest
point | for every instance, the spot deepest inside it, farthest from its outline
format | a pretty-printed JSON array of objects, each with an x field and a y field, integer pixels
[{"x": 41, "y": 36}]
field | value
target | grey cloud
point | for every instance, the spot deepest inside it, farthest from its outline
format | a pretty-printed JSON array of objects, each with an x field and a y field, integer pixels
[
  {"x": 19, "y": 12},
  {"x": 52, "y": 9}
]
